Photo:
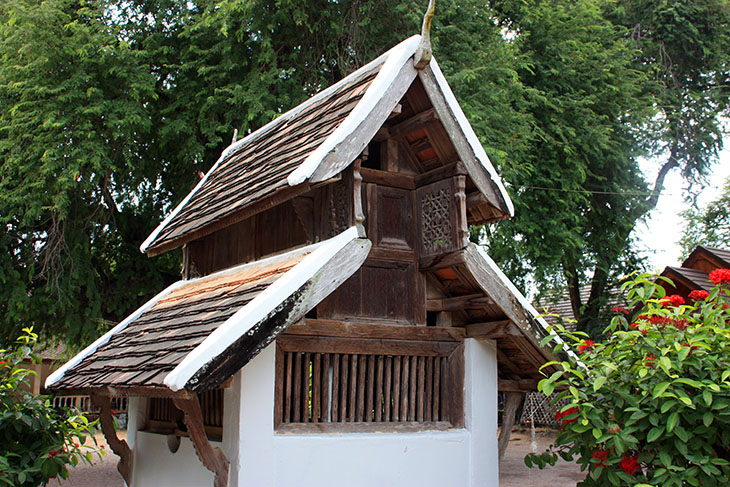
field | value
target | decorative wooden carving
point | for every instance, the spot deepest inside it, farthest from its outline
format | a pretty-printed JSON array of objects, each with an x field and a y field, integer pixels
[
  {"x": 462, "y": 228},
  {"x": 436, "y": 205},
  {"x": 119, "y": 447},
  {"x": 212, "y": 458},
  {"x": 357, "y": 196}
]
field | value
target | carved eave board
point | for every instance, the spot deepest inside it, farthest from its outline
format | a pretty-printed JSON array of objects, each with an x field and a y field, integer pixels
[
  {"x": 199, "y": 332},
  {"x": 388, "y": 101}
]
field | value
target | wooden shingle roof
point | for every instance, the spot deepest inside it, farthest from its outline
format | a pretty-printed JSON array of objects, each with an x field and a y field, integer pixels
[
  {"x": 315, "y": 142},
  {"x": 213, "y": 323}
]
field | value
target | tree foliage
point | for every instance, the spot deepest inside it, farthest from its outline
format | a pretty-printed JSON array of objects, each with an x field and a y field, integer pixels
[
  {"x": 649, "y": 406},
  {"x": 611, "y": 81},
  {"x": 709, "y": 226},
  {"x": 110, "y": 110}
]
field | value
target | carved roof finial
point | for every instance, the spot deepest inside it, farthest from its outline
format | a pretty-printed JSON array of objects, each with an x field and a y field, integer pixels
[{"x": 423, "y": 53}]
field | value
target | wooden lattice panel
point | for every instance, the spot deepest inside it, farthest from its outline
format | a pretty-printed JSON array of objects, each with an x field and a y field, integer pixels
[{"x": 320, "y": 387}]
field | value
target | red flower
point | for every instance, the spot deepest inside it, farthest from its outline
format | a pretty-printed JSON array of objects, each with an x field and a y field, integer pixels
[
  {"x": 693, "y": 347},
  {"x": 53, "y": 453},
  {"x": 614, "y": 429},
  {"x": 601, "y": 456},
  {"x": 619, "y": 309},
  {"x": 562, "y": 414},
  {"x": 672, "y": 300},
  {"x": 629, "y": 464},
  {"x": 585, "y": 345},
  {"x": 660, "y": 320},
  {"x": 699, "y": 295},
  {"x": 650, "y": 360},
  {"x": 3, "y": 362},
  {"x": 680, "y": 324},
  {"x": 718, "y": 276}
]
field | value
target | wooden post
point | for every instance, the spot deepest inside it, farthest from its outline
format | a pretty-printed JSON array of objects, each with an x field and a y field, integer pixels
[
  {"x": 212, "y": 458},
  {"x": 357, "y": 209},
  {"x": 119, "y": 447},
  {"x": 511, "y": 403}
]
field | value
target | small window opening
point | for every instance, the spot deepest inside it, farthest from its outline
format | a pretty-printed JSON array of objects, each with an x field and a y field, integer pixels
[
  {"x": 374, "y": 160},
  {"x": 431, "y": 318}
]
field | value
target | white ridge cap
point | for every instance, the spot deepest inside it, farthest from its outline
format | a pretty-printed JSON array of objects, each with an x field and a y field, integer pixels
[
  {"x": 257, "y": 309},
  {"x": 395, "y": 58},
  {"x": 471, "y": 137}
]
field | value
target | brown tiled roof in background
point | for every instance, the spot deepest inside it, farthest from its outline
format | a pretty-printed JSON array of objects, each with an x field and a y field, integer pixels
[
  {"x": 260, "y": 168},
  {"x": 694, "y": 278},
  {"x": 152, "y": 345}
]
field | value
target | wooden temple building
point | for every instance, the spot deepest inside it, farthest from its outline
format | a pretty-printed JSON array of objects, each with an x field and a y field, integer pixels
[{"x": 334, "y": 325}]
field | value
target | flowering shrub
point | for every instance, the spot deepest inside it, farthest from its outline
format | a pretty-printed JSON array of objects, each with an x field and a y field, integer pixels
[
  {"x": 37, "y": 443},
  {"x": 650, "y": 406}
]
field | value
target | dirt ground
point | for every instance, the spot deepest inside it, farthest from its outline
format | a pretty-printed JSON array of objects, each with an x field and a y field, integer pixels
[{"x": 512, "y": 469}]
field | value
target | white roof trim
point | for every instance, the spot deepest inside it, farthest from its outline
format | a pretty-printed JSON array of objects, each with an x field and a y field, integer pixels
[
  {"x": 396, "y": 58},
  {"x": 246, "y": 318},
  {"x": 59, "y": 373},
  {"x": 471, "y": 137},
  {"x": 521, "y": 298}
]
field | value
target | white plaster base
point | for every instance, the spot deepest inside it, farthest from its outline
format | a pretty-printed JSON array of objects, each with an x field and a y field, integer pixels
[{"x": 460, "y": 457}]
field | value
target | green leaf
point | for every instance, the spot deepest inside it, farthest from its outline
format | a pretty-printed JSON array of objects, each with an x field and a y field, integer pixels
[
  {"x": 665, "y": 458},
  {"x": 659, "y": 389},
  {"x": 654, "y": 433},
  {"x": 672, "y": 421},
  {"x": 707, "y": 396},
  {"x": 596, "y": 433},
  {"x": 598, "y": 383},
  {"x": 707, "y": 418}
]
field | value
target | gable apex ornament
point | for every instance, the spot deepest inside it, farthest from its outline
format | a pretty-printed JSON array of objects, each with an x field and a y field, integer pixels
[{"x": 424, "y": 53}]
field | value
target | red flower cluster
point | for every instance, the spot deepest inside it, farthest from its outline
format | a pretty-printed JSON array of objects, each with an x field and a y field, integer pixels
[
  {"x": 661, "y": 321},
  {"x": 672, "y": 300},
  {"x": 613, "y": 429},
  {"x": 699, "y": 295},
  {"x": 601, "y": 456},
  {"x": 680, "y": 324},
  {"x": 620, "y": 309},
  {"x": 53, "y": 453},
  {"x": 694, "y": 347},
  {"x": 3, "y": 362},
  {"x": 629, "y": 464},
  {"x": 650, "y": 360},
  {"x": 718, "y": 276},
  {"x": 562, "y": 414},
  {"x": 585, "y": 345},
  {"x": 635, "y": 326}
]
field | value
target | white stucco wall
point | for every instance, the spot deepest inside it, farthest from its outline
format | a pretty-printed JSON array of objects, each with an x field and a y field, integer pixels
[{"x": 463, "y": 457}]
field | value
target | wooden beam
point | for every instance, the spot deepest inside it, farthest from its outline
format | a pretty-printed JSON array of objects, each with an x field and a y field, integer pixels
[
  {"x": 212, "y": 458},
  {"x": 443, "y": 172},
  {"x": 492, "y": 330},
  {"x": 441, "y": 261},
  {"x": 119, "y": 447},
  {"x": 366, "y": 346},
  {"x": 385, "y": 178},
  {"x": 456, "y": 303},
  {"x": 275, "y": 199},
  {"x": 345, "y": 329},
  {"x": 512, "y": 401},
  {"x": 414, "y": 123},
  {"x": 518, "y": 385}
]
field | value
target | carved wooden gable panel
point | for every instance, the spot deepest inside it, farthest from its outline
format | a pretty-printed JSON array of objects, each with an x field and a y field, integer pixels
[
  {"x": 437, "y": 218},
  {"x": 390, "y": 217}
]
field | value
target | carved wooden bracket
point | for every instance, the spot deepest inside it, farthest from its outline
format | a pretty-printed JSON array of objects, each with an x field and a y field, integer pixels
[
  {"x": 212, "y": 458},
  {"x": 119, "y": 447},
  {"x": 357, "y": 198}
]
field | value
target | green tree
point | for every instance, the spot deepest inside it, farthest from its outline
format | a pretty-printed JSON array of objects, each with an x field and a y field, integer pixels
[
  {"x": 709, "y": 226},
  {"x": 610, "y": 81},
  {"x": 72, "y": 203}
]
